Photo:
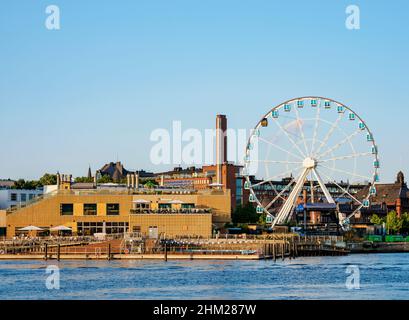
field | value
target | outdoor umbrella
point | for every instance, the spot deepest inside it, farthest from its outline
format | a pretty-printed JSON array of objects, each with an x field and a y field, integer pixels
[
  {"x": 60, "y": 228},
  {"x": 31, "y": 228}
]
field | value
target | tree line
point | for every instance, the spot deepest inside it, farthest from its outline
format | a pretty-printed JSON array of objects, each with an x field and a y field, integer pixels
[{"x": 393, "y": 223}]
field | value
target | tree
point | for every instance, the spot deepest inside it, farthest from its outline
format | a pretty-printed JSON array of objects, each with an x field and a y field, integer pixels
[
  {"x": 83, "y": 180},
  {"x": 105, "y": 179},
  {"x": 48, "y": 179},
  {"x": 405, "y": 222},
  {"x": 375, "y": 219},
  {"x": 150, "y": 184},
  {"x": 393, "y": 223},
  {"x": 245, "y": 214},
  {"x": 21, "y": 184}
]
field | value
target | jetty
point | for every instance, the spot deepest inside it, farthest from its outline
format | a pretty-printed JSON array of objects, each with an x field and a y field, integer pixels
[{"x": 135, "y": 246}]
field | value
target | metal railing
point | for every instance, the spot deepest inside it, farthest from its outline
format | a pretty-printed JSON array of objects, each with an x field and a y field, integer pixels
[
  {"x": 170, "y": 211},
  {"x": 31, "y": 202}
]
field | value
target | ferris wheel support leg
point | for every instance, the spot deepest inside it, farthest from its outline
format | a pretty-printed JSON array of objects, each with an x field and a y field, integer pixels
[
  {"x": 285, "y": 210},
  {"x": 323, "y": 187}
]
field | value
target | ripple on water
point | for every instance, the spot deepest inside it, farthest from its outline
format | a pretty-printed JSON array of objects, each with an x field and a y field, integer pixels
[{"x": 382, "y": 276}]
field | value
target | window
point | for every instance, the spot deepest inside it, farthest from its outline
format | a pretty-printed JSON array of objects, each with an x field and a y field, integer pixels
[
  {"x": 23, "y": 197},
  {"x": 31, "y": 196},
  {"x": 112, "y": 209},
  {"x": 66, "y": 209},
  {"x": 90, "y": 209},
  {"x": 13, "y": 197},
  {"x": 239, "y": 192},
  {"x": 188, "y": 205},
  {"x": 142, "y": 206}
]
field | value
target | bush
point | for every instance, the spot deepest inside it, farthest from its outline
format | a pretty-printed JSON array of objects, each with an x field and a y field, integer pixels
[{"x": 245, "y": 214}]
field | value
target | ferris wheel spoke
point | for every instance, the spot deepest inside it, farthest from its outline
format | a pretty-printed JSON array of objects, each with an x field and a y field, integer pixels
[
  {"x": 317, "y": 118},
  {"x": 329, "y": 134},
  {"x": 353, "y": 213},
  {"x": 289, "y": 138},
  {"x": 276, "y": 177},
  {"x": 280, "y": 148},
  {"x": 274, "y": 161},
  {"x": 275, "y": 191},
  {"x": 280, "y": 195},
  {"x": 301, "y": 130},
  {"x": 344, "y": 190},
  {"x": 271, "y": 184},
  {"x": 335, "y": 147},
  {"x": 356, "y": 155},
  {"x": 345, "y": 172}
]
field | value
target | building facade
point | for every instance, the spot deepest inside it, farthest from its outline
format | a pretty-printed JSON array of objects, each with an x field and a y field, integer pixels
[
  {"x": 151, "y": 212},
  {"x": 10, "y": 198}
]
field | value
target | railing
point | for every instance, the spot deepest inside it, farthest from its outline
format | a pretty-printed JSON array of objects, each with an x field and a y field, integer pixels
[
  {"x": 170, "y": 211},
  {"x": 362, "y": 219},
  {"x": 32, "y": 201},
  {"x": 125, "y": 190}
]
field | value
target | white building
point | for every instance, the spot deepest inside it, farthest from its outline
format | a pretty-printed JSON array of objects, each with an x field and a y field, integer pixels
[{"x": 10, "y": 198}]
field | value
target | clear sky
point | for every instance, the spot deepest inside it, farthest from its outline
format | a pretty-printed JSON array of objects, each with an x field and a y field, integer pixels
[{"x": 93, "y": 91}]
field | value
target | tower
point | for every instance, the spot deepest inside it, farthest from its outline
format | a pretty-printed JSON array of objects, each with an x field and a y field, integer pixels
[
  {"x": 221, "y": 145},
  {"x": 400, "y": 179},
  {"x": 89, "y": 173}
]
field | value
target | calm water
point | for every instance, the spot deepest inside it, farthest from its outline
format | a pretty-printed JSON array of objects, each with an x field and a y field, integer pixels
[{"x": 382, "y": 276}]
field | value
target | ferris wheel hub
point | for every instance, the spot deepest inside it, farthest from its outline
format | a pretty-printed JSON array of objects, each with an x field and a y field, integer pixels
[{"x": 309, "y": 163}]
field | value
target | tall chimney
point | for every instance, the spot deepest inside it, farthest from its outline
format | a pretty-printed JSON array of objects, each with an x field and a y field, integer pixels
[
  {"x": 128, "y": 180},
  {"x": 136, "y": 181},
  {"x": 221, "y": 145},
  {"x": 58, "y": 179}
]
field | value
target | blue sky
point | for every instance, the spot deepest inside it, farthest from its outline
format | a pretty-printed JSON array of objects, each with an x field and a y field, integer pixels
[{"x": 93, "y": 91}]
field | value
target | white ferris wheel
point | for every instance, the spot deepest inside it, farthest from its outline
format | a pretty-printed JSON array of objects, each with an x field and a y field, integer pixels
[{"x": 315, "y": 144}]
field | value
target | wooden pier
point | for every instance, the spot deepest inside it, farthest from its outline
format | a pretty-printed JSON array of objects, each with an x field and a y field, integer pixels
[{"x": 274, "y": 247}]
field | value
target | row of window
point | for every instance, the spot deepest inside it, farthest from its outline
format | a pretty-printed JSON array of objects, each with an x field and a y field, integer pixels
[
  {"x": 89, "y": 228},
  {"x": 89, "y": 209},
  {"x": 23, "y": 197}
]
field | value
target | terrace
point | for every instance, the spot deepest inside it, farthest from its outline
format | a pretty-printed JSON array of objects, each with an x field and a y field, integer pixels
[{"x": 142, "y": 206}]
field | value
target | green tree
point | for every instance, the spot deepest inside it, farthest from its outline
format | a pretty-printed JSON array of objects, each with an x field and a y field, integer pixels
[
  {"x": 245, "y": 214},
  {"x": 48, "y": 179},
  {"x": 405, "y": 222},
  {"x": 375, "y": 219},
  {"x": 21, "y": 184},
  {"x": 83, "y": 180},
  {"x": 393, "y": 223},
  {"x": 105, "y": 179},
  {"x": 150, "y": 184}
]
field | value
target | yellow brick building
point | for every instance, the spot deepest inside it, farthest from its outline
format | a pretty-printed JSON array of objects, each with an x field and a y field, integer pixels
[{"x": 109, "y": 211}]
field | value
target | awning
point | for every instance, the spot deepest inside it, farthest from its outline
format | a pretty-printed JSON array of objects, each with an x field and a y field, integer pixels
[
  {"x": 216, "y": 185},
  {"x": 141, "y": 201},
  {"x": 176, "y": 201}
]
